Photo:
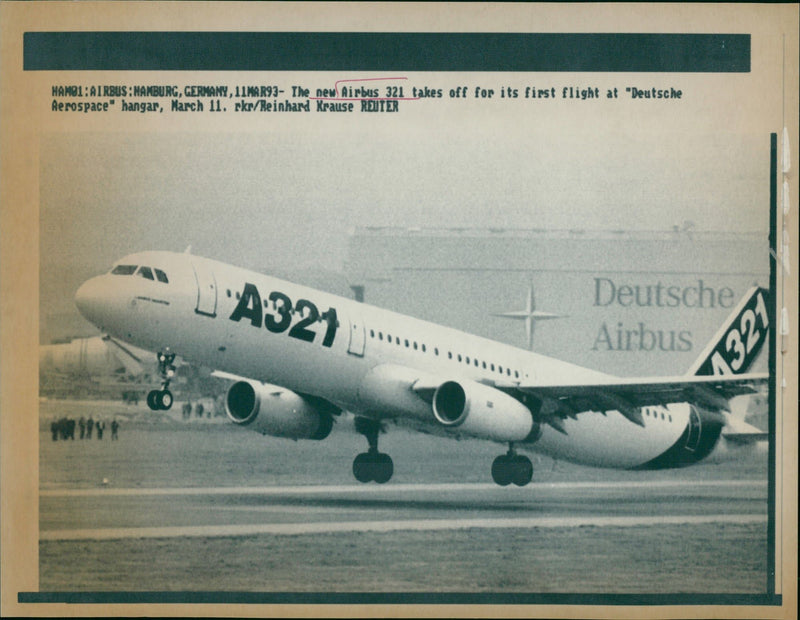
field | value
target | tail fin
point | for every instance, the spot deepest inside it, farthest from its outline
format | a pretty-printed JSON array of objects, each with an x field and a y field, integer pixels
[{"x": 734, "y": 347}]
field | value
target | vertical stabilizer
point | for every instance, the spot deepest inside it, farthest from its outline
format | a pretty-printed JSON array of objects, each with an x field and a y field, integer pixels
[{"x": 734, "y": 347}]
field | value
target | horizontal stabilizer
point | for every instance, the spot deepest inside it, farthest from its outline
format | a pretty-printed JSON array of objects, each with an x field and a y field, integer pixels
[{"x": 743, "y": 439}]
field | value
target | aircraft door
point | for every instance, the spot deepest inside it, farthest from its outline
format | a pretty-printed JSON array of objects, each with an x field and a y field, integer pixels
[
  {"x": 206, "y": 289},
  {"x": 357, "y": 336}
]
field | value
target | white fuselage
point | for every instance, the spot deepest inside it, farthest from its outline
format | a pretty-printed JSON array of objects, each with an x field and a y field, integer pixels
[{"x": 338, "y": 349}]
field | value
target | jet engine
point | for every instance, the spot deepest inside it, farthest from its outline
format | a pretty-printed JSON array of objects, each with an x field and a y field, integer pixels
[
  {"x": 697, "y": 442},
  {"x": 276, "y": 411},
  {"x": 482, "y": 411}
]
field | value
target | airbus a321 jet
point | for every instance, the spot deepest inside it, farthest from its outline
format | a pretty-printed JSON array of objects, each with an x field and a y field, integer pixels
[{"x": 304, "y": 357}]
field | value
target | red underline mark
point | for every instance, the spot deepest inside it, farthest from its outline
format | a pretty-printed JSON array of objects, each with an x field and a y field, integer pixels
[{"x": 337, "y": 98}]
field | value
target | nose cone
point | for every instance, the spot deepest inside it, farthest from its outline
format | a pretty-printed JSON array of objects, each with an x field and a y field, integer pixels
[{"x": 91, "y": 301}]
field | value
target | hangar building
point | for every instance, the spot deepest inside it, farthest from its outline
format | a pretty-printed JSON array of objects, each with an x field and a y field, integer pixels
[{"x": 629, "y": 302}]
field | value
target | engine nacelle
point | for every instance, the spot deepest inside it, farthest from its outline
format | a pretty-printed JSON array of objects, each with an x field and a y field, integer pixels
[
  {"x": 482, "y": 411},
  {"x": 276, "y": 411},
  {"x": 697, "y": 442}
]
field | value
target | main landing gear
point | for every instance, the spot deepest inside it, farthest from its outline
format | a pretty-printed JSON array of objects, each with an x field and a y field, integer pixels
[
  {"x": 512, "y": 467},
  {"x": 372, "y": 465},
  {"x": 162, "y": 399}
]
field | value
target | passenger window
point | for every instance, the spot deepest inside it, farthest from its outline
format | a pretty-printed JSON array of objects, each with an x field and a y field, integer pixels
[
  {"x": 161, "y": 276},
  {"x": 145, "y": 272},
  {"x": 415, "y": 345},
  {"x": 123, "y": 270}
]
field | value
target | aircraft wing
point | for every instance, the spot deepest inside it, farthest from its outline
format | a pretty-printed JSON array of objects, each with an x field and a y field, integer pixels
[
  {"x": 221, "y": 374},
  {"x": 628, "y": 395}
]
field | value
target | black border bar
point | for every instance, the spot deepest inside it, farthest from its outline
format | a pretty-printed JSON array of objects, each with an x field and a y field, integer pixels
[
  {"x": 407, "y": 598},
  {"x": 386, "y": 51},
  {"x": 773, "y": 351}
]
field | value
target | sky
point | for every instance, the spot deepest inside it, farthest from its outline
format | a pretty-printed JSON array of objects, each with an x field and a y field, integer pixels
[{"x": 236, "y": 198}]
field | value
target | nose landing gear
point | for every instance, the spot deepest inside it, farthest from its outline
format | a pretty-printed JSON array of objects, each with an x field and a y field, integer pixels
[
  {"x": 372, "y": 465},
  {"x": 512, "y": 467},
  {"x": 162, "y": 399}
]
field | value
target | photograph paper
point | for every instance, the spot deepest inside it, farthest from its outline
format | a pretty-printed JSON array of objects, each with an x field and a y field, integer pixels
[{"x": 331, "y": 308}]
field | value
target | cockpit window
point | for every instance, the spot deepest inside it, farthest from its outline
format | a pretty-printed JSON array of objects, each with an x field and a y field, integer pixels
[
  {"x": 162, "y": 277},
  {"x": 123, "y": 270},
  {"x": 145, "y": 272}
]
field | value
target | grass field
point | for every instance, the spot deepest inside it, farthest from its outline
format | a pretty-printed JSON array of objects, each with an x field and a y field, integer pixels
[{"x": 569, "y": 560}]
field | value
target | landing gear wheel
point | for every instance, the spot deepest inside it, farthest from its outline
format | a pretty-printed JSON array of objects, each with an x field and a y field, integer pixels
[
  {"x": 159, "y": 400},
  {"x": 523, "y": 470},
  {"x": 362, "y": 467},
  {"x": 151, "y": 400},
  {"x": 373, "y": 467},
  {"x": 512, "y": 467},
  {"x": 164, "y": 399},
  {"x": 503, "y": 470},
  {"x": 384, "y": 468}
]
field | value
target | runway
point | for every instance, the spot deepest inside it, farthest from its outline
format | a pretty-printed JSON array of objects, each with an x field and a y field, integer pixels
[
  {"x": 314, "y": 509},
  {"x": 173, "y": 507}
]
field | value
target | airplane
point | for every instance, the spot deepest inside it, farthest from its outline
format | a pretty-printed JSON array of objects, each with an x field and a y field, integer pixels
[
  {"x": 101, "y": 364},
  {"x": 304, "y": 357},
  {"x": 94, "y": 364},
  {"x": 94, "y": 355}
]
